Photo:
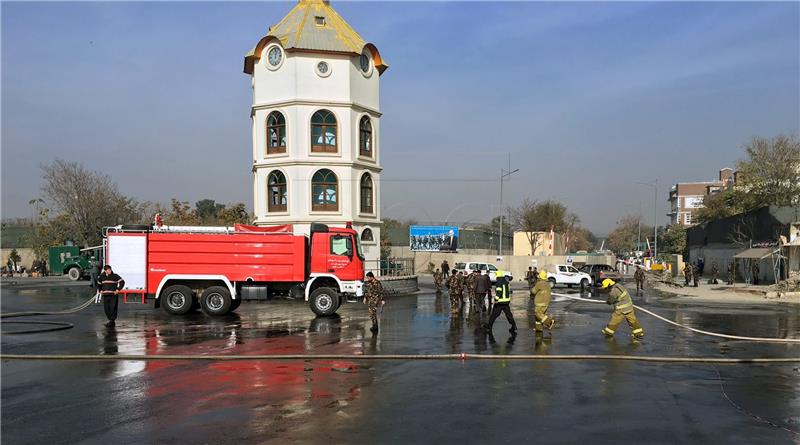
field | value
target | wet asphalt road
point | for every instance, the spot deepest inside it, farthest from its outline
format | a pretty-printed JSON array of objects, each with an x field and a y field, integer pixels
[{"x": 344, "y": 401}]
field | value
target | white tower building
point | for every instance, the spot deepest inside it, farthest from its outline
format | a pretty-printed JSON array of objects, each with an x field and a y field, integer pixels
[{"x": 316, "y": 124}]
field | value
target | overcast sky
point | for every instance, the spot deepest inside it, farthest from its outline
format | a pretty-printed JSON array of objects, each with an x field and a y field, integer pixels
[{"x": 588, "y": 98}]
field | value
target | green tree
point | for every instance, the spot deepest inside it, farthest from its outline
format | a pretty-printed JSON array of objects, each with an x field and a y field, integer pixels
[
  {"x": 770, "y": 173},
  {"x": 234, "y": 214},
  {"x": 494, "y": 226},
  {"x": 181, "y": 214},
  {"x": 208, "y": 209},
  {"x": 14, "y": 257},
  {"x": 391, "y": 223},
  {"x": 672, "y": 240},
  {"x": 720, "y": 205},
  {"x": 626, "y": 234}
]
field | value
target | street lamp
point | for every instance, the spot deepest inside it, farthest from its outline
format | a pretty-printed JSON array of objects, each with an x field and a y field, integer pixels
[
  {"x": 654, "y": 184},
  {"x": 503, "y": 175}
]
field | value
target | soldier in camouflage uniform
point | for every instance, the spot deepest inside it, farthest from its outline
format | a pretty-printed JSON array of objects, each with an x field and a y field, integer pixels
[
  {"x": 373, "y": 298},
  {"x": 455, "y": 287},
  {"x": 687, "y": 274},
  {"x": 437, "y": 280},
  {"x": 730, "y": 273},
  {"x": 470, "y": 286},
  {"x": 639, "y": 277},
  {"x": 714, "y": 273}
]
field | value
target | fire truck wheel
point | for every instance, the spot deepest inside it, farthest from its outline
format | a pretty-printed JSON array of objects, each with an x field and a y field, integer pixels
[
  {"x": 324, "y": 301},
  {"x": 235, "y": 303},
  {"x": 177, "y": 299},
  {"x": 216, "y": 300}
]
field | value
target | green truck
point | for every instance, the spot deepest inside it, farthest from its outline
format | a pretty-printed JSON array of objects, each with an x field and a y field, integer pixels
[{"x": 73, "y": 262}]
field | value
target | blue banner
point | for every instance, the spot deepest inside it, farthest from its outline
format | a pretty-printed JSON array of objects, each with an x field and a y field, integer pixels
[{"x": 433, "y": 238}]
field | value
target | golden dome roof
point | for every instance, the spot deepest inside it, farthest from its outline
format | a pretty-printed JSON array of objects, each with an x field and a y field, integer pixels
[{"x": 313, "y": 25}]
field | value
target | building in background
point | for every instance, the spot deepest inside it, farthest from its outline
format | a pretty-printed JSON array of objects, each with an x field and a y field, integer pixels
[
  {"x": 686, "y": 197},
  {"x": 765, "y": 237},
  {"x": 316, "y": 124},
  {"x": 544, "y": 245}
]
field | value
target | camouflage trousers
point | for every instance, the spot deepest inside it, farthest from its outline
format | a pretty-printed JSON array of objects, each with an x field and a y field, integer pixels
[
  {"x": 372, "y": 306},
  {"x": 618, "y": 317},
  {"x": 455, "y": 301}
]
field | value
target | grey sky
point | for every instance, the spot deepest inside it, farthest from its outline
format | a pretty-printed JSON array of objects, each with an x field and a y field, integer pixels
[{"x": 587, "y": 98}]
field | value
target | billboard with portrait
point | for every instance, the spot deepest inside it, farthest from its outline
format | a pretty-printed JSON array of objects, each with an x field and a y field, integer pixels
[{"x": 433, "y": 238}]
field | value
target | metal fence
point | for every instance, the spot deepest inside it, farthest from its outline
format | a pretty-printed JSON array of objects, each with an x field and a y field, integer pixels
[{"x": 392, "y": 267}]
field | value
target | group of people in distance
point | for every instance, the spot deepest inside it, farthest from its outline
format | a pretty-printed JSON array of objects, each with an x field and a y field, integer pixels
[{"x": 478, "y": 286}]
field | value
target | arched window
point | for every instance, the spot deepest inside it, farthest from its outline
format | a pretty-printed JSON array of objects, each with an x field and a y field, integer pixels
[
  {"x": 324, "y": 191},
  {"x": 365, "y": 137},
  {"x": 366, "y": 193},
  {"x": 366, "y": 235},
  {"x": 276, "y": 183},
  {"x": 323, "y": 132},
  {"x": 276, "y": 133}
]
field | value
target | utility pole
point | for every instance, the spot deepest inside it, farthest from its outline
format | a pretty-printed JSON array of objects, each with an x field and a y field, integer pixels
[
  {"x": 503, "y": 175},
  {"x": 655, "y": 219},
  {"x": 654, "y": 184},
  {"x": 639, "y": 233}
]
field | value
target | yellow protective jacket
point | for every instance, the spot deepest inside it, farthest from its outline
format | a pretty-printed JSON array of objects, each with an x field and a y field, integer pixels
[
  {"x": 620, "y": 298},
  {"x": 541, "y": 292}
]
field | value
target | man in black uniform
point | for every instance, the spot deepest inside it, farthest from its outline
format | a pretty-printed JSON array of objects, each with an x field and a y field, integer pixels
[
  {"x": 110, "y": 284},
  {"x": 502, "y": 303}
]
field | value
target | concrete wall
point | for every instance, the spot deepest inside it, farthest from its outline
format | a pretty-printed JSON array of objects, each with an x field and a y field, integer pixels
[
  {"x": 723, "y": 255},
  {"x": 25, "y": 253},
  {"x": 518, "y": 265},
  {"x": 400, "y": 285}
]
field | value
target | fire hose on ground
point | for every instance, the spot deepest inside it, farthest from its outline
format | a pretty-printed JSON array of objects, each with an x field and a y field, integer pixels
[
  {"x": 54, "y": 325},
  {"x": 461, "y": 356},
  {"x": 699, "y": 331}
]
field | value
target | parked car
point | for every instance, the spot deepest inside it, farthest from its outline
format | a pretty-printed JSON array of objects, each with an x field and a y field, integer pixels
[
  {"x": 567, "y": 275},
  {"x": 469, "y": 266},
  {"x": 600, "y": 272}
]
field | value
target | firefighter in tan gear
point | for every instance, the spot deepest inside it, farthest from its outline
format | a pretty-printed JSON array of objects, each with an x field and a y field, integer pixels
[
  {"x": 541, "y": 301},
  {"x": 619, "y": 297}
]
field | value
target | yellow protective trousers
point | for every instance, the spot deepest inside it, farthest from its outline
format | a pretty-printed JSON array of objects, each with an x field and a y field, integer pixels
[
  {"x": 617, "y": 317},
  {"x": 542, "y": 319}
]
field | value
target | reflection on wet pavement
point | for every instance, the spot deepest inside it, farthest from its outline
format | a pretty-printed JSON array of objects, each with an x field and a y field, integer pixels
[{"x": 393, "y": 402}]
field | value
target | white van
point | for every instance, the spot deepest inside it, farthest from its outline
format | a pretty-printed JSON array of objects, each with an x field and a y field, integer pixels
[{"x": 468, "y": 267}]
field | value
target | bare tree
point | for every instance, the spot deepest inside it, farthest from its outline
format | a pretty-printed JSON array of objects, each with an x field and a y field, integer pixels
[
  {"x": 743, "y": 232},
  {"x": 526, "y": 218},
  {"x": 89, "y": 200}
]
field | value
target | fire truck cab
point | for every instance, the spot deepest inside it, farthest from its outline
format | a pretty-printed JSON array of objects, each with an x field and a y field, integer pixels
[{"x": 184, "y": 268}]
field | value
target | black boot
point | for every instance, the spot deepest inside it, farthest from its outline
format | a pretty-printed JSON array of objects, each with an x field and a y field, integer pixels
[
  {"x": 110, "y": 324},
  {"x": 374, "y": 327}
]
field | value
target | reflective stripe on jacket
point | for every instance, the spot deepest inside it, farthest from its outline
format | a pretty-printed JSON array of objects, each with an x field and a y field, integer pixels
[
  {"x": 621, "y": 299},
  {"x": 109, "y": 284},
  {"x": 501, "y": 291}
]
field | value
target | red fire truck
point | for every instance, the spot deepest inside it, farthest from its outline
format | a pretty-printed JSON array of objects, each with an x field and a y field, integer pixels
[{"x": 214, "y": 268}]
